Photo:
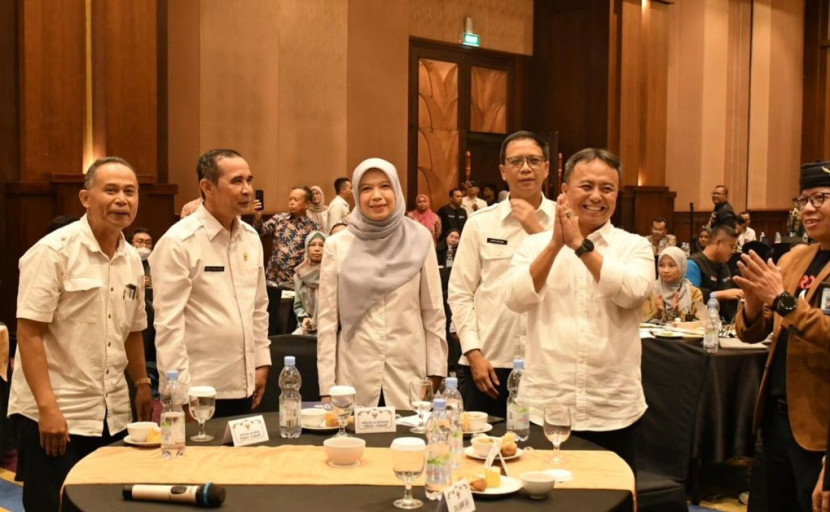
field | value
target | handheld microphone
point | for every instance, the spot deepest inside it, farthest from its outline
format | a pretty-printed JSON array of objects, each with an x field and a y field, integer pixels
[{"x": 206, "y": 496}]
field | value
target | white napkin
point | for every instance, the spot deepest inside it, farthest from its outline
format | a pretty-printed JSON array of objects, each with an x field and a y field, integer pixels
[
  {"x": 735, "y": 343},
  {"x": 411, "y": 421}
]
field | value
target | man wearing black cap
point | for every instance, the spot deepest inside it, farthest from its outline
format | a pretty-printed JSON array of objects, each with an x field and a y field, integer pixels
[{"x": 791, "y": 301}]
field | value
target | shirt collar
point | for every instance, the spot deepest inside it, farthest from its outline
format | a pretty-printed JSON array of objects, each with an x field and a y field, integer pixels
[
  {"x": 605, "y": 233},
  {"x": 91, "y": 243},
  {"x": 212, "y": 226},
  {"x": 547, "y": 207}
]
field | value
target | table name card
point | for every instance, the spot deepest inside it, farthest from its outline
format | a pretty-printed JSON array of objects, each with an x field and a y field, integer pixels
[
  {"x": 246, "y": 431},
  {"x": 457, "y": 498},
  {"x": 370, "y": 420}
]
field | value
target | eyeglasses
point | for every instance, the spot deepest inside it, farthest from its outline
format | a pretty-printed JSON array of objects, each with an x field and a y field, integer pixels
[
  {"x": 816, "y": 200},
  {"x": 533, "y": 161}
]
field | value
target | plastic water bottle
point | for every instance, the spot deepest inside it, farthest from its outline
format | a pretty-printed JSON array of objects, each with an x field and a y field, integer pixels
[
  {"x": 711, "y": 336},
  {"x": 439, "y": 463},
  {"x": 762, "y": 238},
  {"x": 290, "y": 399},
  {"x": 455, "y": 406},
  {"x": 450, "y": 257},
  {"x": 518, "y": 412},
  {"x": 172, "y": 417},
  {"x": 685, "y": 247},
  {"x": 777, "y": 237}
]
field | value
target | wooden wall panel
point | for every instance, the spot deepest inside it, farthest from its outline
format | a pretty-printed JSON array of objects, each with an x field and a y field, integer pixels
[
  {"x": 52, "y": 87},
  {"x": 815, "y": 135}
]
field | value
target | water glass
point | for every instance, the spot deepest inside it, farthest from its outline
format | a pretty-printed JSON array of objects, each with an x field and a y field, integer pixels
[
  {"x": 420, "y": 397},
  {"x": 557, "y": 427},
  {"x": 408, "y": 460},
  {"x": 342, "y": 400},
  {"x": 202, "y": 401}
]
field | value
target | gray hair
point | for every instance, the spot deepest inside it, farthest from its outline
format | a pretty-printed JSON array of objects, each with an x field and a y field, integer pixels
[
  {"x": 89, "y": 178},
  {"x": 588, "y": 155}
]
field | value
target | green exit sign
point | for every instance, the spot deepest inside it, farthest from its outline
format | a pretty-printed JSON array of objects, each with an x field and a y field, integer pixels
[{"x": 471, "y": 39}]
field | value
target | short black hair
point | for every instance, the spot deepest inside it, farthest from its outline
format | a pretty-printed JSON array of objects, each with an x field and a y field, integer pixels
[
  {"x": 491, "y": 186},
  {"x": 452, "y": 191},
  {"x": 89, "y": 178},
  {"x": 524, "y": 134},
  {"x": 137, "y": 231},
  {"x": 208, "y": 166},
  {"x": 724, "y": 229},
  {"x": 309, "y": 195},
  {"x": 60, "y": 221},
  {"x": 589, "y": 155},
  {"x": 725, "y": 190},
  {"x": 659, "y": 219},
  {"x": 339, "y": 183}
]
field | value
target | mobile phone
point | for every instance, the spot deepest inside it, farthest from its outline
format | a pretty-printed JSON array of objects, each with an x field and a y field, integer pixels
[{"x": 259, "y": 195}]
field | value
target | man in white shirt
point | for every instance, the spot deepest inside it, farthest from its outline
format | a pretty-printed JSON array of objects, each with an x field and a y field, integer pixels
[
  {"x": 491, "y": 335},
  {"x": 340, "y": 207},
  {"x": 211, "y": 307},
  {"x": 471, "y": 202},
  {"x": 80, "y": 310},
  {"x": 745, "y": 232},
  {"x": 582, "y": 287}
]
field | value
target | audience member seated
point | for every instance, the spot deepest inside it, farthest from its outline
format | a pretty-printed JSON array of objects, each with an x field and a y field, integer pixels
[
  {"x": 490, "y": 193},
  {"x": 423, "y": 213},
  {"x": 290, "y": 231},
  {"x": 708, "y": 270},
  {"x": 673, "y": 296},
  {"x": 659, "y": 237},
  {"x": 701, "y": 240},
  {"x": 471, "y": 202},
  {"x": 317, "y": 210},
  {"x": 745, "y": 233},
  {"x": 340, "y": 206},
  {"x": 379, "y": 330},
  {"x": 448, "y": 248},
  {"x": 452, "y": 215},
  {"x": 306, "y": 283}
]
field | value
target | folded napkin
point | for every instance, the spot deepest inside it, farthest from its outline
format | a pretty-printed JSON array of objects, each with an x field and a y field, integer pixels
[
  {"x": 735, "y": 343},
  {"x": 411, "y": 421}
]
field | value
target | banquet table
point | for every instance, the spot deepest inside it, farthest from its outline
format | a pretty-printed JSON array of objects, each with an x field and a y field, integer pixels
[{"x": 81, "y": 492}]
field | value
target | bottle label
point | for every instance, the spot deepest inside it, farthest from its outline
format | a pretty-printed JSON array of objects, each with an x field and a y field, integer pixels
[{"x": 518, "y": 416}]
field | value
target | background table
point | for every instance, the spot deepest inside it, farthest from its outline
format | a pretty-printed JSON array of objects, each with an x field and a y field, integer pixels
[{"x": 288, "y": 498}]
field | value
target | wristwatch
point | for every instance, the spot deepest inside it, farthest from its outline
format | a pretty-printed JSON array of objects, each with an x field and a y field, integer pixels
[
  {"x": 784, "y": 304},
  {"x": 586, "y": 247}
]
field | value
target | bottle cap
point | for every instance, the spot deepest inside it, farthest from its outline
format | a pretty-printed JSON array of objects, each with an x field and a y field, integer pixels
[
  {"x": 289, "y": 361},
  {"x": 172, "y": 374},
  {"x": 451, "y": 383},
  {"x": 518, "y": 364},
  {"x": 713, "y": 295},
  {"x": 439, "y": 404}
]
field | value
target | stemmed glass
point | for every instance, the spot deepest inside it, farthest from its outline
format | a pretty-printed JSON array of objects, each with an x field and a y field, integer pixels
[
  {"x": 557, "y": 427},
  {"x": 420, "y": 397},
  {"x": 408, "y": 459},
  {"x": 342, "y": 399},
  {"x": 202, "y": 401}
]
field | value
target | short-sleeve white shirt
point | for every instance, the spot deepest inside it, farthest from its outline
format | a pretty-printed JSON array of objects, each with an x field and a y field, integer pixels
[{"x": 91, "y": 304}]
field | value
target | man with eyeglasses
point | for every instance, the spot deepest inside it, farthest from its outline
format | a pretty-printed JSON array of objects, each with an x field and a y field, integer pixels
[
  {"x": 708, "y": 270},
  {"x": 723, "y": 214},
  {"x": 491, "y": 335},
  {"x": 791, "y": 300}
]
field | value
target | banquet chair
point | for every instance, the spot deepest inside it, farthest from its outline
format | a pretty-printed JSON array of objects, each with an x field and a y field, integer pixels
[
  {"x": 304, "y": 350},
  {"x": 673, "y": 374}
]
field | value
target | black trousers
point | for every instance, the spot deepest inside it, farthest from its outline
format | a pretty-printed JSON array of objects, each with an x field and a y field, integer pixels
[
  {"x": 274, "y": 301},
  {"x": 623, "y": 442},
  {"x": 790, "y": 472},
  {"x": 233, "y": 407},
  {"x": 475, "y": 400},
  {"x": 42, "y": 474}
]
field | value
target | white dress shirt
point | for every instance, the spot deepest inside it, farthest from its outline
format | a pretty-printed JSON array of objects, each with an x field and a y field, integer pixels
[
  {"x": 400, "y": 338},
  {"x": 210, "y": 303},
  {"x": 91, "y": 304},
  {"x": 338, "y": 212},
  {"x": 583, "y": 346},
  {"x": 481, "y": 264},
  {"x": 468, "y": 203},
  {"x": 748, "y": 235}
]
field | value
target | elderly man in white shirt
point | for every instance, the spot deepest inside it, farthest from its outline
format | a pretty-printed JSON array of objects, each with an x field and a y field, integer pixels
[
  {"x": 210, "y": 302},
  {"x": 583, "y": 286},
  {"x": 339, "y": 207},
  {"x": 491, "y": 335},
  {"x": 80, "y": 310}
]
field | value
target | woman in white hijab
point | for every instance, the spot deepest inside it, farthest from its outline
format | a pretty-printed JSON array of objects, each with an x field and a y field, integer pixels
[
  {"x": 317, "y": 210},
  {"x": 673, "y": 296},
  {"x": 380, "y": 320}
]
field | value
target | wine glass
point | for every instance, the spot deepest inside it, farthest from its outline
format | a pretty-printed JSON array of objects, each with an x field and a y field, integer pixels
[
  {"x": 202, "y": 406},
  {"x": 420, "y": 397},
  {"x": 408, "y": 459},
  {"x": 342, "y": 399},
  {"x": 557, "y": 427}
]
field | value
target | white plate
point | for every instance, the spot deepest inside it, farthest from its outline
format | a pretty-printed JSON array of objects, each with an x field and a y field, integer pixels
[
  {"x": 666, "y": 334},
  {"x": 508, "y": 486},
  {"x": 321, "y": 428},
  {"x": 487, "y": 428},
  {"x": 145, "y": 444},
  {"x": 470, "y": 452},
  {"x": 561, "y": 475}
]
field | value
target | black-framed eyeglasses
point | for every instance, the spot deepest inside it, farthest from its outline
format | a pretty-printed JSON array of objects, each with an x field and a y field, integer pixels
[
  {"x": 816, "y": 200},
  {"x": 533, "y": 161}
]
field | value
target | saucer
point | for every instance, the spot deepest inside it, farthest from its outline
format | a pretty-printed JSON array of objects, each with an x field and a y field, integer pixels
[
  {"x": 508, "y": 486},
  {"x": 487, "y": 428},
  {"x": 143, "y": 444},
  {"x": 470, "y": 452}
]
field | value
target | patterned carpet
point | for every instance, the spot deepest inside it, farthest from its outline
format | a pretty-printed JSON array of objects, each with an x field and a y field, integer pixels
[{"x": 11, "y": 493}]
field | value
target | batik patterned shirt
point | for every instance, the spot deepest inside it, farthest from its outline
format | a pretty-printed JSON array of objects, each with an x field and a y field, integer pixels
[{"x": 289, "y": 247}]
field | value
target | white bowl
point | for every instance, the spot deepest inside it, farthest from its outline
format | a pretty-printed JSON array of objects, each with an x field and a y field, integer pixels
[
  {"x": 477, "y": 420},
  {"x": 481, "y": 444},
  {"x": 313, "y": 418},
  {"x": 139, "y": 430},
  {"x": 537, "y": 484},
  {"x": 344, "y": 451}
]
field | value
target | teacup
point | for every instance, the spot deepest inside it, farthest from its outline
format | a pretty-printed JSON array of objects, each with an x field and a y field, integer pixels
[
  {"x": 481, "y": 444},
  {"x": 537, "y": 484},
  {"x": 477, "y": 420},
  {"x": 344, "y": 451},
  {"x": 313, "y": 418},
  {"x": 139, "y": 430}
]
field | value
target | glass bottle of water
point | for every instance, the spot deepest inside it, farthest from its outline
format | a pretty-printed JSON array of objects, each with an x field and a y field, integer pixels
[
  {"x": 290, "y": 399},
  {"x": 455, "y": 406},
  {"x": 711, "y": 336},
  {"x": 439, "y": 463},
  {"x": 518, "y": 412},
  {"x": 172, "y": 417}
]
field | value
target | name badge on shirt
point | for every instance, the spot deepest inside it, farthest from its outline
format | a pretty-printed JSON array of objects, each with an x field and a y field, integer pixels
[
  {"x": 497, "y": 241},
  {"x": 215, "y": 269}
]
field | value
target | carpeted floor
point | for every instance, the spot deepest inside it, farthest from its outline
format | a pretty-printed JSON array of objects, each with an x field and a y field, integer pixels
[{"x": 11, "y": 493}]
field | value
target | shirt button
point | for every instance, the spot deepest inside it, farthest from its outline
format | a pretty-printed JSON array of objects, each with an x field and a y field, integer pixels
[
  {"x": 109, "y": 316},
  {"x": 109, "y": 344}
]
